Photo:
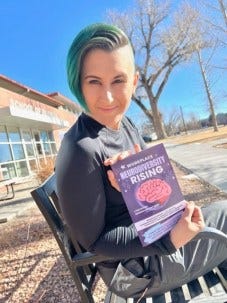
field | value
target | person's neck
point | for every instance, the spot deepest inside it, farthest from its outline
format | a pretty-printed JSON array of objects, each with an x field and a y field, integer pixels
[{"x": 112, "y": 126}]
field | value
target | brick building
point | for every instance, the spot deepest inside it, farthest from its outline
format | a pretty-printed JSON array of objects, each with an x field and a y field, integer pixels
[{"x": 32, "y": 125}]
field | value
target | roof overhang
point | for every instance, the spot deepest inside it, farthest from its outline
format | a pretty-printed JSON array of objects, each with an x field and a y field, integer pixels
[
  {"x": 57, "y": 96},
  {"x": 29, "y": 117},
  {"x": 23, "y": 90}
]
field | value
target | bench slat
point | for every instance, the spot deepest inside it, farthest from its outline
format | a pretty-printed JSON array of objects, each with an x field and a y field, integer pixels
[
  {"x": 222, "y": 274},
  {"x": 214, "y": 283},
  {"x": 159, "y": 299},
  {"x": 215, "y": 299},
  {"x": 177, "y": 295},
  {"x": 195, "y": 289}
]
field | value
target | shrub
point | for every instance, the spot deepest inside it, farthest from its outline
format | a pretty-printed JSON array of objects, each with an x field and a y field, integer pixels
[{"x": 46, "y": 169}]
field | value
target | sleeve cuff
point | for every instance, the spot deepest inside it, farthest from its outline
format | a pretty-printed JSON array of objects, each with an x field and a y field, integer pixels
[{"x": 167, "y": 243}]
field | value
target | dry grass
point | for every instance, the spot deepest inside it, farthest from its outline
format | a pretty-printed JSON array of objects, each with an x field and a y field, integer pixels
[
  {"x": 199, "y": 136},
  {"x": 32, "y": 268}
]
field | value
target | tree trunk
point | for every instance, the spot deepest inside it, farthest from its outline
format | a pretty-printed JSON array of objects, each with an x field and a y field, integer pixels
[
  {"x": 208, "y": 93},
  {"x": 157, "y": 121},
  {"x": 147, "y": 112}
]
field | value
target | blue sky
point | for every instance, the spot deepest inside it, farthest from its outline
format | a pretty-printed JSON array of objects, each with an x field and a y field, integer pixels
[{"x": 35, "y": 36}]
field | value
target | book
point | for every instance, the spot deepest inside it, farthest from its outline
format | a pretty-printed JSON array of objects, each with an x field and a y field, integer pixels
[{"x": 151, "y": 192}]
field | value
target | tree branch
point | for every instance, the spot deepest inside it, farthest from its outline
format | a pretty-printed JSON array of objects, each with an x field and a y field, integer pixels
[
  {"x": 164, "y": 81},
  {"x": 147, "y": 112}
]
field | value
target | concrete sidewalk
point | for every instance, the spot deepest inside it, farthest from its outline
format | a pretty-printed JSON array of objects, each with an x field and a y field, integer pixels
[{"x": 205, "y": 160}]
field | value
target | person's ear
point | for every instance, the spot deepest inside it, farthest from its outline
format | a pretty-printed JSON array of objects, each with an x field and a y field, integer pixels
[{"x": 135, "y": 81}]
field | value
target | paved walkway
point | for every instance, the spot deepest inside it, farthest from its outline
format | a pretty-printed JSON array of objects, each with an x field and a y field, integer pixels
[{"x": 204, "y": 160}]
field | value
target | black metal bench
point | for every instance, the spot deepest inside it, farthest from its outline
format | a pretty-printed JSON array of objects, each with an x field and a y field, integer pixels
[{"x": 211, "y": 288}]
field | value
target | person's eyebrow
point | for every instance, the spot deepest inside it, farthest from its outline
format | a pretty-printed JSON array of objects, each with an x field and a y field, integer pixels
[
  {"x": 121, "y": 75},
  {"x": 91, "y": 76}
]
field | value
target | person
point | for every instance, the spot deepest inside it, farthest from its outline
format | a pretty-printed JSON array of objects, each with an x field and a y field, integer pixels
[{"x": 102, "y": 75}]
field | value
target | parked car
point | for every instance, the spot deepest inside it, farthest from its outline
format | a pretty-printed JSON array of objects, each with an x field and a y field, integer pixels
[{"x": 147, "y": 138}]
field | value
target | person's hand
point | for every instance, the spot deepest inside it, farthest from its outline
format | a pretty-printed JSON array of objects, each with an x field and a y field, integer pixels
[
  {"x": 189, "y": 225},
  {"x": 114, "y": 159}
]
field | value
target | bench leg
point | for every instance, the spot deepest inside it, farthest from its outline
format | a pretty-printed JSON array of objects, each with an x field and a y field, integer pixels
[
  {"x": 83, "y": 289},
  {"x": 10, "y": 193}
]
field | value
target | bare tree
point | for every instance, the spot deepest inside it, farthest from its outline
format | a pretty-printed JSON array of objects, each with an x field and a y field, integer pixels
[
  {"x": 215, "y": 16},
  {"x": 161, "y": 40},
  {"x": 193, "y": 122},
  {"x": 173, "y": 122},
  {"x": 202, "y": 66},
  {"x": 223, "y": 10},
  {"x": 215, "y": 28}
]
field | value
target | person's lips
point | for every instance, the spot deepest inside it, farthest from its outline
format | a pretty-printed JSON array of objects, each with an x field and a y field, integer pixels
[{"x": 108, "y": 109}]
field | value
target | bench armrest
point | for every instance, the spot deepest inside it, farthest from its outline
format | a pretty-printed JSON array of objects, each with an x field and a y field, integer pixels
[
  {"x": 211, "y": 233},
  {"x": 87, "y": 258}
]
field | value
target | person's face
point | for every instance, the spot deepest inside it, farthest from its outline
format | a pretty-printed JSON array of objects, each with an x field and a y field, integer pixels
[{"x": 108, "y": 81}]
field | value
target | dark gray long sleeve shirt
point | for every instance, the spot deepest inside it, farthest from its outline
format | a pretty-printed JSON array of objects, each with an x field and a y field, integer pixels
[{"x": 95, "y": 212}]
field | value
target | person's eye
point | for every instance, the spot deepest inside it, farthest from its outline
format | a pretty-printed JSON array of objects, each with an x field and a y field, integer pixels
[
  {"x": 94, "y": 81},
  {"x": 119, "y": 80}
]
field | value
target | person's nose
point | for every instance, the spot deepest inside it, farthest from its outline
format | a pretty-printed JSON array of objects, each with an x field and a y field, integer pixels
[{"x": 107, "y": 95}]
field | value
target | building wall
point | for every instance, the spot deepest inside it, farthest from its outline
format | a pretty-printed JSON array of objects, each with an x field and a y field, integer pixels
[{"x": 30, "y": 133}]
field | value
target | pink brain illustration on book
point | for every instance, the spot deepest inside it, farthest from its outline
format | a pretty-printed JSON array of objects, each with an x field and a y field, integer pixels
[{"x": 155, "y": 190}]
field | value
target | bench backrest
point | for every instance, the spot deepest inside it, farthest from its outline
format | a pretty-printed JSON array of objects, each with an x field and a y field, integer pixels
[{"x": 81, "y": 264}]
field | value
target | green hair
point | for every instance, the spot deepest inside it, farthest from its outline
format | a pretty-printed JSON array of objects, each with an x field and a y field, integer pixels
[{"x": 95, "y": 36}]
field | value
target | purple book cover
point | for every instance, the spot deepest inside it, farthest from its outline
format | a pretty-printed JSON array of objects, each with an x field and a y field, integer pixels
[{"x": 151, "y": 192}]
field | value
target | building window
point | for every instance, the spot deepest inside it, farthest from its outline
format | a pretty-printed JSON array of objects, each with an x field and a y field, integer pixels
[
  {"x": 51, "y": 136},
  {"x": 3, "y": 134},
  {"x": 22, "y": 151},
  {"x": 18, "y": 151},
  {"x": 30, "y": 150},
  {"x": 14, "y": 134},
  {"x": 45, "y": 143},
  {"x": 22, "y": 169},
  {"x": 38, "y": 143},
  {"x": 27, "y": 141},
  {"x": 5, "y": 153},
  {"x": 26, "y": 135},
  {"x": 8, "y": 171}
]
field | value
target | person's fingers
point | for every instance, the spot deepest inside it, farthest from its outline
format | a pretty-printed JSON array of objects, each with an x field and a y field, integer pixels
[
  {"x": 190, "y": 224},
  {"x": 197, "y": 216},
  {"x": 124, "y": 155},
  {"x": 188, "y": 212},
  {"x": 194, "y": 217},
  {"x": 117, "y": 157},
  {"x": 111, "y": 160},
  {"x": 121, "y": 155},
  {"x": 137, "y": 148},
  {"x": 113, "y": 180}
]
